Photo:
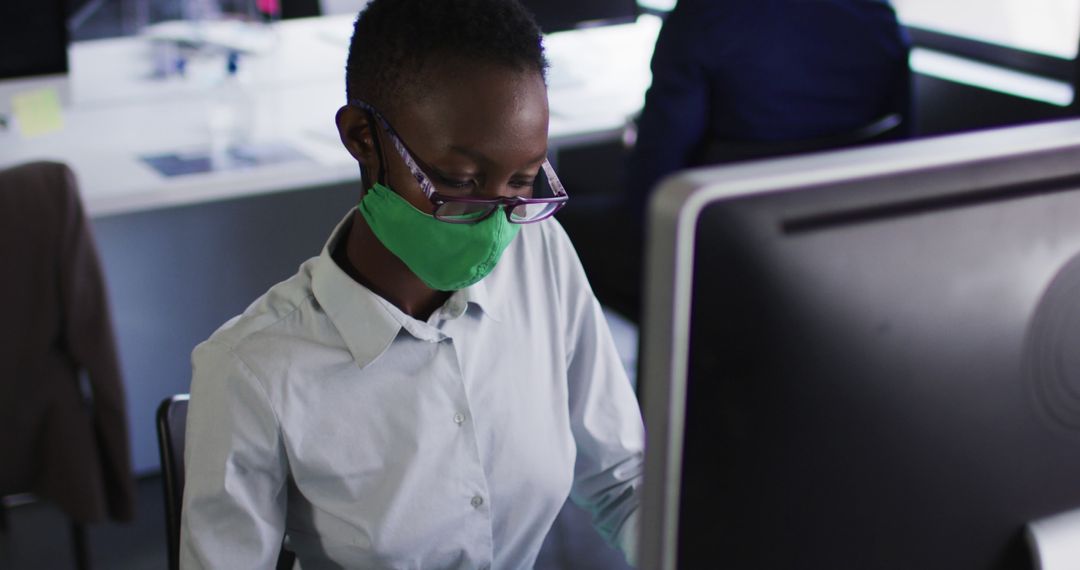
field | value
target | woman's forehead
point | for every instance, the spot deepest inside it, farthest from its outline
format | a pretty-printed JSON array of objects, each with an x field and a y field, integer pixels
[{"x": 492, "y": 109}]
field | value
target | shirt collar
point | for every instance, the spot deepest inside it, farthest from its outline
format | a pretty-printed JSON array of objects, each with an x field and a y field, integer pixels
[
  {"x": 482, "y": 295},
  {"x": 364, "y": 322},
  {"x": 367, "y": 322}
]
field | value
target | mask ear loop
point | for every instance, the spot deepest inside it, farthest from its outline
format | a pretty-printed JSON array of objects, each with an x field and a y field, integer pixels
[{"x": 378, "y": 148}]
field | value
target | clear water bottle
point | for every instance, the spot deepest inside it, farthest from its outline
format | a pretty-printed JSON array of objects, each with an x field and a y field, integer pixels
[{"x": 231, "y": 117}]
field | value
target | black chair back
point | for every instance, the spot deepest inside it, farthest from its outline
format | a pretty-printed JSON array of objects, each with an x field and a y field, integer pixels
[
  {"x": 882, "y": 129},
  {"x": 171, "y": 426}
]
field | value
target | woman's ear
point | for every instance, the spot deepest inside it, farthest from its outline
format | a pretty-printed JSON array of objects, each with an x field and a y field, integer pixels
[{"x": 357, "y": 134}]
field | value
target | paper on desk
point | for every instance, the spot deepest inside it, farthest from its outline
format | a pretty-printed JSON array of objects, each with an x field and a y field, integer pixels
[
  {"x": 237, "y": 157},
  {"x": 37, "y": 112}
]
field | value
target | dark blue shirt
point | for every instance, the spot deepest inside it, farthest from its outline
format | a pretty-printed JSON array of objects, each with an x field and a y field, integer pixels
[{"x": 765, "y": 71}]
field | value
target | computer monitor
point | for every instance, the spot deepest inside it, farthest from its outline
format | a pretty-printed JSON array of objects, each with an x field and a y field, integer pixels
[
  {"x": 560, "y": 15},
  {"x": 33, "y": 49},
  {"x": 865, "y": 359},
  {"x": 33, "y": 38}
]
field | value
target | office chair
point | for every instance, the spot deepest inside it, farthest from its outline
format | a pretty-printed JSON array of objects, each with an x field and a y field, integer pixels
[
  {"x": 63, "y": 424},
  {"x": 614, "y": 268},
  {"x": 171, "y": 426},
  {"x": 79, "y": 546},
  {"x": 881, "y": 129}
]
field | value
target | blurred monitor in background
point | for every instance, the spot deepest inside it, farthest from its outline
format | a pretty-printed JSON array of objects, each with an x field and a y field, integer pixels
[
  {"x": 33, "y": 53},
  {"x": 867, "y": 359},
  {"x": 33, "y": 38},
  {"x": 560, "y": 15}
]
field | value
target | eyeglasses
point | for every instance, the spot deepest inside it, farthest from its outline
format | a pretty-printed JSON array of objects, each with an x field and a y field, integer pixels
[{"x": 466, "y": 210}]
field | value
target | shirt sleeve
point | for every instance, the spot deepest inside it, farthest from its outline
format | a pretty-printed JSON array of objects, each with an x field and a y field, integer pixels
[
  {"x": 235, "y": 467},
  {"x": 605, "y": 418}
]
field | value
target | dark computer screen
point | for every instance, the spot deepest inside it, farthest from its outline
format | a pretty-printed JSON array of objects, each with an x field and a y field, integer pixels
[
  {"x": 33, "y": 38},
  {"x": 560, "y": 15},
  {"x": 875, "y": 365}
]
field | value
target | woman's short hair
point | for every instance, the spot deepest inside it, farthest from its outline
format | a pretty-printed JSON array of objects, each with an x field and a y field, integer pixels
[{"x": 393, "y": 40}]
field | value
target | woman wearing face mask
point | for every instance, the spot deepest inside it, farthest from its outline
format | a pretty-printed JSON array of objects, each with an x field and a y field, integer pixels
[{"x": 428, "y": 391}]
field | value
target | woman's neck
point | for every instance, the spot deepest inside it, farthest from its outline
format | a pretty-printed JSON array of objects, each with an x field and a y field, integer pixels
[{"x": 364, "y": 258}]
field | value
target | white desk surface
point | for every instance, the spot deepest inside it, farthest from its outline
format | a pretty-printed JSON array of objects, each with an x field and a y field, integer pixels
[{"x": 118, "y": 113}]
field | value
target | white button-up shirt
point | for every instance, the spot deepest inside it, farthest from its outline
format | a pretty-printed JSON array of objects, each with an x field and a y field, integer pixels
[{"x": 376, "y": 440}]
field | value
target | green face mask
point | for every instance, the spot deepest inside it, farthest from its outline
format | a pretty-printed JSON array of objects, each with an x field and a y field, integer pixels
[{"x": 446, "y": 257}]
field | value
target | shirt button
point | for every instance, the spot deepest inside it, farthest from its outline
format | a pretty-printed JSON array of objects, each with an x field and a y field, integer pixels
[
  {"x": 459, "y": 419},
  {"x": 477, "y": 501}
]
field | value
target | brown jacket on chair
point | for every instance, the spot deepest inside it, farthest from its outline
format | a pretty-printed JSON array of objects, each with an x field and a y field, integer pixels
[{"x": 60, "y": 438}]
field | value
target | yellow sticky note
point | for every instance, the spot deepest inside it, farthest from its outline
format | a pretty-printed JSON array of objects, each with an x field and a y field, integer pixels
[{"x": 38, "y": 112}]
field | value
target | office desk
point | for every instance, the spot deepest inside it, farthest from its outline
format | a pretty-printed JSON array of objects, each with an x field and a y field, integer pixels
[
  {"x": 117, "y": 113},
  {"x": 184, "y": 254}
]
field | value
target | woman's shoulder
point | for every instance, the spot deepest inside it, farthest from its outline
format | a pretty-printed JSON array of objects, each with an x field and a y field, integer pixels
[{"x": 269, "y": 309}]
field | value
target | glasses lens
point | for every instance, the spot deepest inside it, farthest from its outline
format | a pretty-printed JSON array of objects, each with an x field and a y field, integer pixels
[
  {"x": 462, "y": 212},
  {"x": 531, "y": 212}
]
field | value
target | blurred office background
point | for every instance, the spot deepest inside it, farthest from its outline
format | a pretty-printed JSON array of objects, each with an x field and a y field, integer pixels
[{"x": 190, "y": 231}]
